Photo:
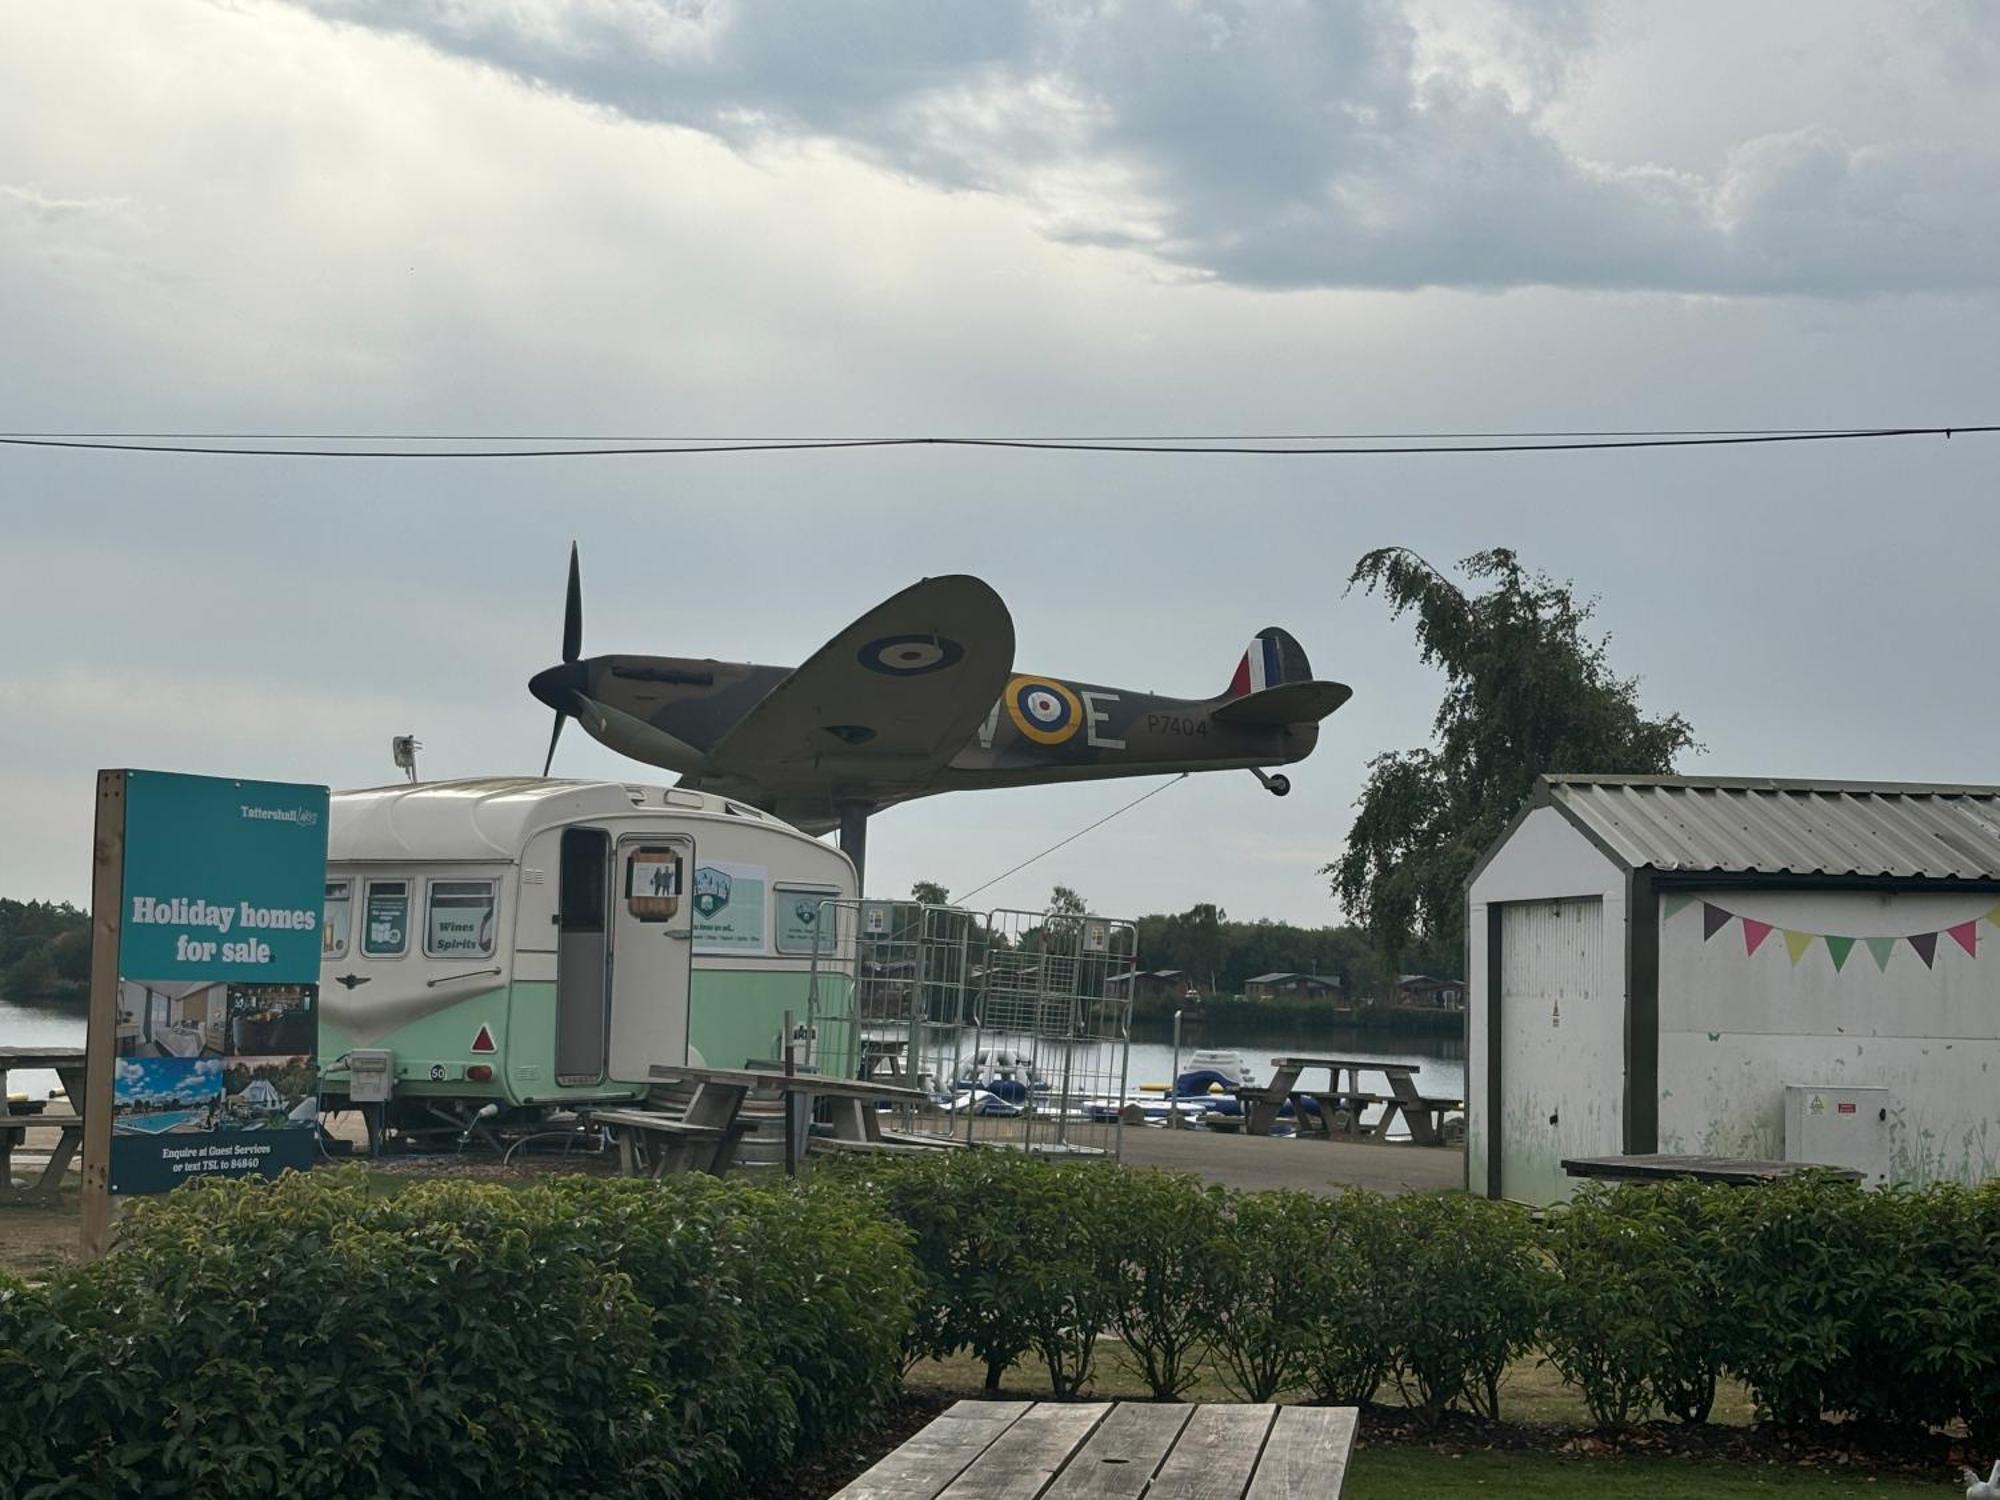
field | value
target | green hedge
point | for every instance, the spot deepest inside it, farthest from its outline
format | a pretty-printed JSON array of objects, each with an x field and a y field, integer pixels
[
  {"x": 1276, "y": 1291},
  {"x": 592, "y": 1338},
  {"x": 1822, "y": 1299},
  {"x": 577, "y": 1338}
]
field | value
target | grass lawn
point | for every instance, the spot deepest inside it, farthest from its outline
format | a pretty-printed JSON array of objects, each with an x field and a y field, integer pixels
[
  {"x": 1532, "y": 1395},
  {"x": 1423, "y": 1474}
]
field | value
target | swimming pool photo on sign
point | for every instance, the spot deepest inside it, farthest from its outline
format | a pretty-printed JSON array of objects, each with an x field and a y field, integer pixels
[{"x": 159, "y": 1095}]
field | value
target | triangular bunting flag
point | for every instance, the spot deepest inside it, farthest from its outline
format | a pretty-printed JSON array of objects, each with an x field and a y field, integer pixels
[
  {"x": 1713, "y": 920},
  {"x": 1879, "y": 949},
  {"x": 1673, "y": 903},
  {"x": 1966, "y": 935},
  {"x": 1926, "y": 945},
  {"x": 1754, "y": 934},
  {"x": 1796, "y": 944},
  {"x": 1993, "y": 916},
  {"x": 1837, "y": 949}
]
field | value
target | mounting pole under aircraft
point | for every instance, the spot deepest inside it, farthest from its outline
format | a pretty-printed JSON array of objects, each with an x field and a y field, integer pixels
[{"x": 854, "y": 839}]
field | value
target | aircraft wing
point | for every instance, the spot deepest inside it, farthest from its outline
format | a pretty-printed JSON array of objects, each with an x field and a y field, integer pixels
[{"x": 886, "y": 702}]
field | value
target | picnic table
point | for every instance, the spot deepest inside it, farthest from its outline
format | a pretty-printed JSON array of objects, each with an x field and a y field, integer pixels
[
  {"x": 67, "y": 1063},
  {"x": 1422, "y": 1113},
  {"x": 720, "y": 1092},
  {"x": 1657, "y": 1167},
  {"x": 1030, "y": 1450}
]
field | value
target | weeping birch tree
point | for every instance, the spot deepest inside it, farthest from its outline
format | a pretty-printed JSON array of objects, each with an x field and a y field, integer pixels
[{"x": 1528, "y": 689}]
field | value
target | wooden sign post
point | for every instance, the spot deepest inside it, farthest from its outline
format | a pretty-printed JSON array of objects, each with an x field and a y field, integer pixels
[{"x": 107, "y": 905}]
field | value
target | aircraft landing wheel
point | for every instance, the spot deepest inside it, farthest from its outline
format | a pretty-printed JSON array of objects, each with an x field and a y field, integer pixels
[{"x": 1278, "y": 786}]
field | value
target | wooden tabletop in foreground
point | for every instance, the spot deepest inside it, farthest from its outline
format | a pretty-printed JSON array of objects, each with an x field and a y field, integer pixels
[{"x": 1026, "y": 1450}]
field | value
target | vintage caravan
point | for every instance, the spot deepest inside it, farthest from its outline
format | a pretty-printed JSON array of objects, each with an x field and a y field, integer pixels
[{"x": 527, "y": 944}]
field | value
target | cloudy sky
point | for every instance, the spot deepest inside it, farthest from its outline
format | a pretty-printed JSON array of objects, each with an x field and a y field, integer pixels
[{"x": 676, "y": 217}]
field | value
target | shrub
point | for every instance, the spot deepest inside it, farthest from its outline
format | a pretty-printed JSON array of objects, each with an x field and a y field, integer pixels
[
  {"x": 575, "y": 1338},
  {"x": 1263, "y": 1289},
  {"x": 1466, "y": 1300},
  {"x": 1069, "y": 1278},
  {"x": 1172, "y": 1230},
  {"x": 1350, "y": 1338},
  {"x": 968, "y": 1244},
  {"x": 1794, "y": 1256},
  {"x": 1619, "y": 1313},
  {"x": 1014, "y": 1254}
]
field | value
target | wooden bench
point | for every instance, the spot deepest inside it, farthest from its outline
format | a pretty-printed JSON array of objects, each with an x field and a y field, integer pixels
[
  {"x": 1026, "y": 1450},
  {"x": 68, "y": 1065},
  {"x": 837, "y": 1144},
  {"x": 655, "y": 1144},
  {"x": 928, "y": 1142}
]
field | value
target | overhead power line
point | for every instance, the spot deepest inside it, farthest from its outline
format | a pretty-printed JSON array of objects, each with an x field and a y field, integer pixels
[{"x": 1322, "y": 445}]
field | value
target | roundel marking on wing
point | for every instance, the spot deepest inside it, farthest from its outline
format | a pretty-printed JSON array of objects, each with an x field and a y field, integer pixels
[
  {"x": 1043, "y": 709},
  {"x": 910, "y": 655}
]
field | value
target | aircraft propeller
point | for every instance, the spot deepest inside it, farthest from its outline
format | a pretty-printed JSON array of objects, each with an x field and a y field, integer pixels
[{"x": 556, "y": 686}]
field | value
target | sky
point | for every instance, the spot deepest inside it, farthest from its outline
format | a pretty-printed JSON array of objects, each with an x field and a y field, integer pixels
[{"x": 984, "y": 217}]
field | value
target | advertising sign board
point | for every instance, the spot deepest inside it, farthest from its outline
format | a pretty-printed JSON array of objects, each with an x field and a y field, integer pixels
[{"x": 202, "y": 1056}]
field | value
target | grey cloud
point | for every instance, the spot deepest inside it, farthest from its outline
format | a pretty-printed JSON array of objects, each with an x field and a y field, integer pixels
[{"x": 1274, "y": 145}]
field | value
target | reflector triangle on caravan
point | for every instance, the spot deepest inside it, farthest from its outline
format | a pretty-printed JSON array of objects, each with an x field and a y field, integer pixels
[{"x": 484, "y": 1041}]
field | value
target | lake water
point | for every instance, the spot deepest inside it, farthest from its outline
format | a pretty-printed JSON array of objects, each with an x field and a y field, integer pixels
[
  {"x": 26, "y": 1026},
  {"x": 1441, "y": 1059}
]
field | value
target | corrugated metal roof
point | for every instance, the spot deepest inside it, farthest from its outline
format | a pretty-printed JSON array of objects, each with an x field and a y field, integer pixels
[{"x": 1751, "y": 826}]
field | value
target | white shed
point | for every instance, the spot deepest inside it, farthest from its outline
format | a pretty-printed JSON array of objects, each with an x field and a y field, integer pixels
[{"x": 1654, "y": 959}]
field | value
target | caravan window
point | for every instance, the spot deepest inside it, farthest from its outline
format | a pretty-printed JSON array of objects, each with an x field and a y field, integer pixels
[
  {"x": 385, "y": 929},
  {"x": 334, "y": 918},
  {"x": 800, "y": 915},
  {"x": 458, "y": 920}
]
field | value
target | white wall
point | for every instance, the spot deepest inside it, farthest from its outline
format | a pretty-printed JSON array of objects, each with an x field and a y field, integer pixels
[
  {"x": 1547, "y": 859},
  {"x": 1736, "y": 1027}
]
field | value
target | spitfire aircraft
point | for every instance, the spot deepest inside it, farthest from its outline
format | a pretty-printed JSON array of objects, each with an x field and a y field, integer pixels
[{"x": 919, "y": 696}]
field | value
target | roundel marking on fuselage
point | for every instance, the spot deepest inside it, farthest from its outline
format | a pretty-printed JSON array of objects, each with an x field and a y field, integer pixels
[
  {"x": 1043, "y": 709},
  {"x": 910, "y": 655}
]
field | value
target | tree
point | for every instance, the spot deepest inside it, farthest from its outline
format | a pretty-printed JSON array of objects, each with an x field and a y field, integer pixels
[
  {"x": 930, "y": 893},
  {"x": 1527, "y": 692},
  {"x": 1064, "y": 902}
]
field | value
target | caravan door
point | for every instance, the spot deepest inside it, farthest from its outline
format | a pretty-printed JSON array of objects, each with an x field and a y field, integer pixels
[{"x": 652, "y": 942}]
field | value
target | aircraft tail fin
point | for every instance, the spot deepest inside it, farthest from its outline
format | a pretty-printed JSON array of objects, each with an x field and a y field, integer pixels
[
  {"x": 1274, "y": 658},
  {"x": 1274, "y": 686}
]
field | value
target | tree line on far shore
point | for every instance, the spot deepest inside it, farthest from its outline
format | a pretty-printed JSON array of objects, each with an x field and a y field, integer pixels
[{"x": 44, "y": 952}]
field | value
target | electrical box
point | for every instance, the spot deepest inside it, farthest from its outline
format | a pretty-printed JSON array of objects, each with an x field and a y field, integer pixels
[
  {"x": 371, "y": 1075},
  {"x": 1839, "y": 1126}
]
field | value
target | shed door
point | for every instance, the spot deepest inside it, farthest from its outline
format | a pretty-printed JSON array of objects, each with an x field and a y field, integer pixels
[
  {"x": 1562, "y": 1046},
  {"x": 652, "y": 937}
]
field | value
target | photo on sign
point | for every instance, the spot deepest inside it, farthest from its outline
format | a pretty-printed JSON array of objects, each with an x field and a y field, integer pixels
[
  {"x": 165, "y": 1095},
  {"x": 269, "y": 1093},
  {"x": 171, "y": 1018},
  {"x": 653, "y": 884},
  {"x": 272, "y": 1018}
]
